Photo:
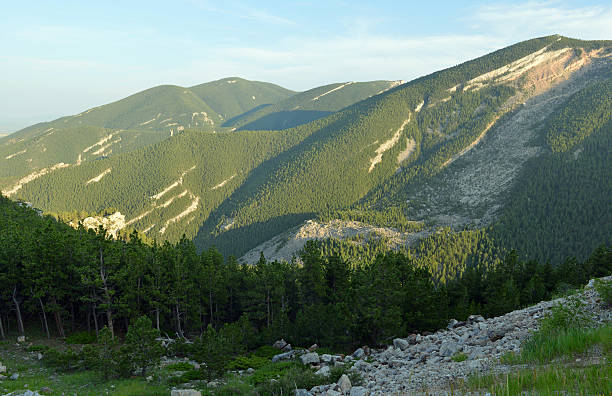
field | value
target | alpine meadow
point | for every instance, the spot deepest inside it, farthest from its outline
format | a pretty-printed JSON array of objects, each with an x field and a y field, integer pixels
[{"x": 451, "y": 234}]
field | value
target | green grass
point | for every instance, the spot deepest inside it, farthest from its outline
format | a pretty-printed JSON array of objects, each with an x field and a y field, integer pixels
[
  {"x": 180, "y": 366},
  {"x": 550, "y": 380},
  {"x": 84, "y": 383},
  {"x": 460, "y": 357},
  {"x": 553, "y": 360},
  {"x": 547, "y": 346},
  {"x": 604, "y": 288},
  {"x": 81, "y": 383}
]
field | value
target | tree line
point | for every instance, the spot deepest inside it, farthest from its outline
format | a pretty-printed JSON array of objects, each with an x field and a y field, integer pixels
[{"x": 62, "y": 280}]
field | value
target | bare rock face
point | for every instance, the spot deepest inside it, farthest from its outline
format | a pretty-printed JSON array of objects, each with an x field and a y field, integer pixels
[{"x": 112, "y": 223}]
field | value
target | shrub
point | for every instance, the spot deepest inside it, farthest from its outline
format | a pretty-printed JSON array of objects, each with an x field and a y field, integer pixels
[
  {"x": 180, "y": 366},
  {"x": 568, "y": 315},
  {"x": 67, "y": 360},
  {"x": 604, "y": 288},
  {"x": 459, "y": 357},
  {"x": 266, "y": 351},
  {"x": 289, "y": 380},
  {"x": 216, "y": 348},
  {"x": 181, "y": 348},
  {"x": 245, "y": 362},
  {"x": 190, "y": 375},
  {"x": 272, "y": 371},
  {"x": 81, "y": 337},
  {"x": 37, "y": 348},
  {"x": 141, "y": 346}
]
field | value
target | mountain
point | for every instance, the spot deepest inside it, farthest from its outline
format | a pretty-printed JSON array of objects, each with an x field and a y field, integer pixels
[
  {"x": 233, "y": 96},
  {"x": 457, "y": 148},
  {"x": 309, "y": 105},
  {"x": 139, "y": 120}
]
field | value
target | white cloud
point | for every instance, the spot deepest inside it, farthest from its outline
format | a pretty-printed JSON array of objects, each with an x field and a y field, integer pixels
[
  {"x": 534, "y": 18},
  {"x": 115, "y": 63}
]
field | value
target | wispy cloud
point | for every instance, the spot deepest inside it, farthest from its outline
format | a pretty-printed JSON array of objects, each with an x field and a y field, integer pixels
[{"x": 531, "y": 18}]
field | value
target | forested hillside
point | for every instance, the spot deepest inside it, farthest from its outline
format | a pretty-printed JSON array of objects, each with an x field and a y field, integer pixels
[
  {"x": 309, "y": 105},
  {"x": 128, "y": 124},
  {"x": 470, "y": 146},
  {"x": 560, "y": 205},
  {"x": 78, "y": 279}
]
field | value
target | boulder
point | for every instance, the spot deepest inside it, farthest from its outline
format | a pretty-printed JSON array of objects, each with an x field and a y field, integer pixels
[
  {"x": 302, "y": 392},
  {"x": 313, "y": 348},
  {"x": 2, "y": 368},
  {"x": 475, "y": 319},
  {"x": 362, "y": 365},
  {"x": 331, "y": 392},
  {"x": 359, "y": 391},
  {"x": 344, "y": 383},
  {"x": 185, "y": 392},
  {"x": 287, "y": 348},
  {"x": 500, "y": 332},
  {"x": 282, "y": 356},
  {"x": 14, "y": 376},
  {"x": 21, "y": 339},
  {"x": 280, "y": 344},
  {"x": 449, "y": 348},
  {"x": 359, "y": 353},
  {"x": 310, "y": 358},
  {"x": 324, "y": 371},
  {"x": 400, "y": 343},
  {"x": 326, "y": 358}
]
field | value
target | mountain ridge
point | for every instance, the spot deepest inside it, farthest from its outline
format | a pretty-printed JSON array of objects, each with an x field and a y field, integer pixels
[{"x": 371, "y": 154}]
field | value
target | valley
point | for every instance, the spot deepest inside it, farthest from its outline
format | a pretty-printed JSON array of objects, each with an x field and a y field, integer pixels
[{"x": 449, "y": 234}]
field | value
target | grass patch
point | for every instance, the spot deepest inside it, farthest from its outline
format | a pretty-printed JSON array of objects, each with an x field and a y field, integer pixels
[
  {"x": 604, "y": 288},
  {"x": 245, "y": 362},
  {"x": 544, "y": 347},
  {"x": 459, "y": 357},
  {"x": 180, "y": 366},
  {"x": 272, "y": 371},
  {"x": 82, "y": 383},
  {"x": 551, "y": 380}
]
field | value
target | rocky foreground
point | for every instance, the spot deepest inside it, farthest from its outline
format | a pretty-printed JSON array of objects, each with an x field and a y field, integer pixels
[{"x": 430, "y": 364}]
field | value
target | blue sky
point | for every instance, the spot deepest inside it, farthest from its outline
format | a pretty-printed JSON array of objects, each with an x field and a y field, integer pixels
[{"x": 59, "y": 58}]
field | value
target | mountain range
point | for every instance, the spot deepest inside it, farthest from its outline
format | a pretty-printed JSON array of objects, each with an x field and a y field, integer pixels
[{"x": 516, "y": 143}]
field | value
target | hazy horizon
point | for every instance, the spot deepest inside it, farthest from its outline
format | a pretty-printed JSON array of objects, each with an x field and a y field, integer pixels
[{"x": 63, "y": 59}]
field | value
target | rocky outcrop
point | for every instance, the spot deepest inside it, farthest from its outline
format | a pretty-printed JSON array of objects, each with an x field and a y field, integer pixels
[
  {"x": 435, "y": 361},
  {"x": 430, "y": 364}
]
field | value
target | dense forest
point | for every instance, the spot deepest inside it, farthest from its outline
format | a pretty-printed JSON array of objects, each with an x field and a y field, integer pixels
[{"x": 61, "y": 280}]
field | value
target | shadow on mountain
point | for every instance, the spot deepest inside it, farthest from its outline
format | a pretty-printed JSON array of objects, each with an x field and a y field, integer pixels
[
  {"x": 234, "y": 120},
  {"x": 238, "y": 241},
  {"x": 284, "y": 120}
]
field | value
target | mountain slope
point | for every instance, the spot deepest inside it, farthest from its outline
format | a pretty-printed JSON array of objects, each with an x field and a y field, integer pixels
[
  {"x": 236, "y": 189},
  {"x": 232, "y": 96},
  {"x": 308, "y": 106},
  {"x": 452, "y": 111},
  {"x": 136, "y": 121}
]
